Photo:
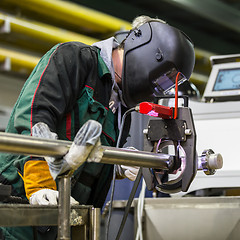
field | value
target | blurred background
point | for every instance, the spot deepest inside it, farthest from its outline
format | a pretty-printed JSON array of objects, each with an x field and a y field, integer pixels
[{"x": 28, "y": 28}]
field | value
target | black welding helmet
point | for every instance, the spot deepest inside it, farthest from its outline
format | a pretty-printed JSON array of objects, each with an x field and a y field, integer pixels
[{"x": 154, "y": 53}]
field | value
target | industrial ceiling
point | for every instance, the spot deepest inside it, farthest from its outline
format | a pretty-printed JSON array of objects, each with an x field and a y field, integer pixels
[
  {"x": 31, "y": 27},
  {"x": 214, "y": 25}
]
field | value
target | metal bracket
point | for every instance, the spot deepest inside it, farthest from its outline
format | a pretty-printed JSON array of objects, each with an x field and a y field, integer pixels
[
  {"x": 6, "y": 27},
  {"x": 173, "y": 129},
  {"x": 176, "y": 130},
  {"x": 6, "y": 64}
]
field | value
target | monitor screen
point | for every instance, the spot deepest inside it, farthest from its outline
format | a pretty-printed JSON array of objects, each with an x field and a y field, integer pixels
[
  {"x": 223, "y": 83},
  {"x": 227, "y": 79}
]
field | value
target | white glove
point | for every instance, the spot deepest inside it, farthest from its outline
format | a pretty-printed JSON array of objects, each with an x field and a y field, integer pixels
[
  {"x": 86, "y": 144},
  {"x": 129, "y": 172},
  {"x": 42, "y": 130},
  {"x": 47, "y": 197}
]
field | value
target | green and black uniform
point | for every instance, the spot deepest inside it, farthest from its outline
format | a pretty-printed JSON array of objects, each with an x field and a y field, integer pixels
[{"x": 70, "y": 85}]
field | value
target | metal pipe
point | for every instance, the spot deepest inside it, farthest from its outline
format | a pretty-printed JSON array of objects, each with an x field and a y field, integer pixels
[
  {"x": 135, "y": 158},
  {"x": 64, "y": 209},
  {"x": 27, "y": 145},
  {"x": 95, "y": 224}
]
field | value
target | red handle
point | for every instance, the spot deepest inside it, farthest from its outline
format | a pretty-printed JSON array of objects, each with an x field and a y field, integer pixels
[{"x": 156, "y": 110}]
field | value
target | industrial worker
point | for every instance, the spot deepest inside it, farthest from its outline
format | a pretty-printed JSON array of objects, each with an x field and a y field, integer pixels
[{"x": 79, "y": 93}]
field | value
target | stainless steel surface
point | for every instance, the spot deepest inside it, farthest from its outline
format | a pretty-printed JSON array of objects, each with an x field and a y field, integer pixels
[
  {"x": 27, "y": 145},
  {"x": 215, "y": 161},
  {"x": 135, "y": 158},
  {"x": 195, "y": 218},
  {"x": 95, "y": 224},
  {"x": 187, "y": 218},
  {"x": 31, "y": 215},
  {"x": 64, "y": 208},
  {"x": 209, "y": 162},
  {"x": 84, "y": 219}
]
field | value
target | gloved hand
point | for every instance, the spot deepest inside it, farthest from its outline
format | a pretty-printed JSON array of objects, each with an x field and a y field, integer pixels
[
  {"x": 42, "y": 130},
  {"x": 129, "y": 172},
  {"x": 86, "y": 144},
  {"x": 47, "y": 197}
]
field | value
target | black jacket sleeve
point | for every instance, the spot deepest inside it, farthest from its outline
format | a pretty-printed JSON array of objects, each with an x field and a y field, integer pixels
[{"x": 62, "y": 81}]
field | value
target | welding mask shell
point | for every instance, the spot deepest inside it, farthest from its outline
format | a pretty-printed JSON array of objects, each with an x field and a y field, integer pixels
[{"x": 153, "y": 55}]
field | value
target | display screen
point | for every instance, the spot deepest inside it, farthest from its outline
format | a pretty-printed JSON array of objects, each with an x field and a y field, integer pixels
[{"x": 227, "y": 79}]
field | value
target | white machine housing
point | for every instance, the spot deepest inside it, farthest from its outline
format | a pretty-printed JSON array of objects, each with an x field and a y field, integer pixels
[{"x": 217, "y": 123}]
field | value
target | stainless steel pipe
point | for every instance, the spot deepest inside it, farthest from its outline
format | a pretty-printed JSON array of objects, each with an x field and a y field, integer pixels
[
  {"x": 64, "y": 209},
  {"x": 27, "y": 145}
]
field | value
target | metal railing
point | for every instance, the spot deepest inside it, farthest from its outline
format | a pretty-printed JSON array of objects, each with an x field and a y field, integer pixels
[
  {"x": 27, "y": 145},
  {"x": 61, "y": 215}
]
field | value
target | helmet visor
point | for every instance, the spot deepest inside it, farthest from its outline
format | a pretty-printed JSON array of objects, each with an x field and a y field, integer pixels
[{"x": 164, "y": 83}]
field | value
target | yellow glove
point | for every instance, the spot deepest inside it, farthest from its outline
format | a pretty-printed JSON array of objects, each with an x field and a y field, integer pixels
[{"x": 37, "y": 176}]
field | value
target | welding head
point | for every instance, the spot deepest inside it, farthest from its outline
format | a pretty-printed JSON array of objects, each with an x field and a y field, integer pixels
[{"x": 154, "y": 53}]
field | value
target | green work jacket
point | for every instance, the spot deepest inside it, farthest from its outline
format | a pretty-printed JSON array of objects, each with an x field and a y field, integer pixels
[{"x": 70, "y": 85}]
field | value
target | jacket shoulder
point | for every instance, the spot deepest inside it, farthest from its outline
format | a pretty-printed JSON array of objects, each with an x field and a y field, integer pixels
[{"x": 79, "y": 46}]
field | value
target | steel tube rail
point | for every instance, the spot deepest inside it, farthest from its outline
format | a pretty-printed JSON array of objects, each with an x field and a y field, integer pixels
[
  {"x": 135, "y": 158},
  {"x": 64, "y": 208},
  {"x": 27, "y": 145},
  {"x": 95, "y": 224}
]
